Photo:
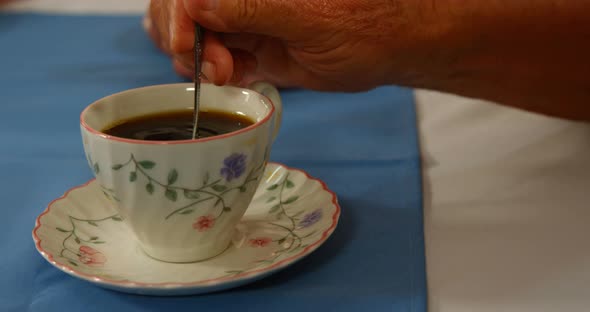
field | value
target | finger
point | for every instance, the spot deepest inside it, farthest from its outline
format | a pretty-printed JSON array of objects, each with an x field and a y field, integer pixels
[
  {"x": 244, "y": 67},
  {"x": 181, "y": 69},
  {"x": 170, "y": 26},
  {"x": 217, "y": 60},
  {"x": 273, "y": 61},
  {"x": 152, "y": 31},
  {"x": 274, "y": 18},
  {"x": 185, "y": 60},
  {"x": 217, "y": 65},
  {"x": 149, "y": 28},
  {"x": 157, "y": 23},
  {"x": 247, "y": 42},
  {"x": 180, "y": 28}
]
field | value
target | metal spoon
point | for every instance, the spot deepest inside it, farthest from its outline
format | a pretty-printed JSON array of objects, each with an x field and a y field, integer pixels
[{"x": 198, "y": 51}]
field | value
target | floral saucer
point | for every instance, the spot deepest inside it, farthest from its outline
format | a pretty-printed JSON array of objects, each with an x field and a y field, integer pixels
[{"x": 291, "y": 215}]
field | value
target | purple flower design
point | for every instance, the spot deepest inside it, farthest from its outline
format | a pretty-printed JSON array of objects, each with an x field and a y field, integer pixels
[
  {"x": 234, "y": 166},
  {"x": 311, "y": 218}
]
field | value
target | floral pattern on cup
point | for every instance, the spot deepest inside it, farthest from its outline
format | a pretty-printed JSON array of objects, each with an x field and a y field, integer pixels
[
  {"x": 311, "y": 218},
  {"x": 91, "y": 257},
  {"x": 204, "y": 223},
  {"x": 282, "y": 209},
  {"x": 234, "y": 166},
  {"x": 75, "y": 246},
  {"x": 260, "y": 241},
  {"x": 246, "y": 259}
]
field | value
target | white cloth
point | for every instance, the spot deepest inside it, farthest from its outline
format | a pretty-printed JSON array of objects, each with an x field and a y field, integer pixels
[
  {"x": 506, "y": 217},
  {"x": 505, "y": 210},
  {"x": 78, "y": 6}
]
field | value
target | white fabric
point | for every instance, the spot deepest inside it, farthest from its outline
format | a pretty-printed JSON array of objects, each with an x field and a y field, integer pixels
[
  {"x": 506, "y": 217},
  {"x": 506, "y": 212},
  {"x": 77, "y": 6}
]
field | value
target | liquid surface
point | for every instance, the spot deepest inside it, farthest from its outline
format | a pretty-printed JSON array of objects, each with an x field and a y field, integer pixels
[{"x": 177, "y": 125}]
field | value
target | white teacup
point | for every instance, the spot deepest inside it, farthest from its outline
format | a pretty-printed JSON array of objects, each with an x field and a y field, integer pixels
[{"x": 182, "y": 199}]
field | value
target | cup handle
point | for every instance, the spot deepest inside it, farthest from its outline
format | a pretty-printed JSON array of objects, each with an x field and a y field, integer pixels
[{"x": 272, "y": 93}]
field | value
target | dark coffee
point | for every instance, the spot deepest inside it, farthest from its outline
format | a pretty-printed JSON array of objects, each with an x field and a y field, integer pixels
[{"x": 177, "y": 125}]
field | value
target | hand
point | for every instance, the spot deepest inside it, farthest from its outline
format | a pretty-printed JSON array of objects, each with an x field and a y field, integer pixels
[
  {"x": 346, "y": 45},
  {"x": 528, "y": 54}
]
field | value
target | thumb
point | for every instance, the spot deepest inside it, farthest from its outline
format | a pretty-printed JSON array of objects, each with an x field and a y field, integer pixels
[{"x": 278, "y": 18}]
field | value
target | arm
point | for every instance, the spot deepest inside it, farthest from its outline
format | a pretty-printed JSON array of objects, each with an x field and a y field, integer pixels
[{"x": 533, "y": 55}]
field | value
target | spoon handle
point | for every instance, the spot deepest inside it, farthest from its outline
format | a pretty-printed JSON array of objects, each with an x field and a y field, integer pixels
[{"x": 198, "y": 51}]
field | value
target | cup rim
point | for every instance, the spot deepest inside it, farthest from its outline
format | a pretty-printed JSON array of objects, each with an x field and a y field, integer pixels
[{"x": 146, "y": 142}]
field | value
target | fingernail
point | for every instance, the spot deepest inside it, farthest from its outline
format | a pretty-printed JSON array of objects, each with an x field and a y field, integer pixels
[{"x": 208, "y": 70}]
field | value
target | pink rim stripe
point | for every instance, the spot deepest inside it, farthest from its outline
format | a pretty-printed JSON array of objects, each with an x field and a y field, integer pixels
[{"x": 217, "y": 137}]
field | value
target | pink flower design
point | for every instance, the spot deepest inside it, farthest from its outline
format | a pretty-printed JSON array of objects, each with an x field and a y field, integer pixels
[
  {"x": 204, "y": 223},
  {"x": 91, "y": 257},
  {"x": 260, "y": 241}
]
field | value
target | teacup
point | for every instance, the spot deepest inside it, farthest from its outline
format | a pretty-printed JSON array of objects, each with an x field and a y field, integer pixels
[{"x": 182, "y": 199}]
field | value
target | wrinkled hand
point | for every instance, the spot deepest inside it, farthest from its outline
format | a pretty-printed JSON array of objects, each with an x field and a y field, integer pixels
[
  {"x": 528, "y": 54},
  {"x": 343, "y": 45}
]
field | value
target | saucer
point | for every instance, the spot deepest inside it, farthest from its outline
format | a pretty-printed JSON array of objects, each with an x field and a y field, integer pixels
[{"x": 291, "y": 215}]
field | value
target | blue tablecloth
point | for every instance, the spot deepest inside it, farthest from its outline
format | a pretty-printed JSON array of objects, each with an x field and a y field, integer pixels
[{"x": 364, "y": 146}]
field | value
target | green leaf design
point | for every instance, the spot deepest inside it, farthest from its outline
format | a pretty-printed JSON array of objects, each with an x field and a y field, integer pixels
[
  {"x": 191, "y": 194},
  {"x": 272, "y": 187},
  {"x": 298, "y": 214},
  {"x": 94, "y": 238},
  {"x": 297, "y": 249},
  {"x": 117, "y": 167},
  {"x": 243, "y": 188},
  {"x": 274, "y": 208},
  {"x": 62, "y": 230},
  {"x": 264, "y": 261},
  {"x": 149, "y": 188},
  {"x": 96, "y": 168},
  {"x": 271, "y": 199},
  {"x": 294, "y": 250},
  {"x": 77, "y": 240},
  {"x": 72, "y": 263},
  {"x": 206, "y": 178},
  {"x": 226, "y": 209},
  {"x": 289, "y": 184},
  {"x": 98, "y": 242},
  {"x": 188, "y": 211},
  {"x": 172, "y": 176},
  {"x": 116, "y": 218},
  {"x": 132, "y": 176},
  {"x": 219, "y": 188},
  {"x": 147, "y": 164},
  {"x": 310, "y": 234},
  {"x": 282, "y": 240},
  {"x": 171, "y": 195},
  {"x": 290, "y": 199},
  {"x": 92, "y": 223}
]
